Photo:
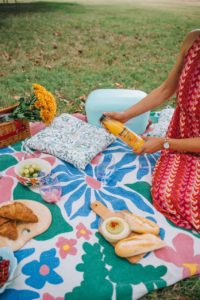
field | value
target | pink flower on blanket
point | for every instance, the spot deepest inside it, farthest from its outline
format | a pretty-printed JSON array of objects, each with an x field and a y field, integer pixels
[
  {"x": 66, "y": 246},
  {"x": 47, "y": 296},
  {"x": 95, "y": 161},
  {"x": 83, "y": 232},
  {"x": 182, "y": 255},
  {"x": 6, "y": 186}
]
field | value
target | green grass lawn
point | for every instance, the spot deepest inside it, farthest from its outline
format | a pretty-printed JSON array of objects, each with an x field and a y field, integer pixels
[{"x": 73, "y": 49}]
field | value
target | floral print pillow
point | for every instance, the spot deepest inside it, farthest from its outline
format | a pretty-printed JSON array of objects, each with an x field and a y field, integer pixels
[{"x": 71, "y": 140}]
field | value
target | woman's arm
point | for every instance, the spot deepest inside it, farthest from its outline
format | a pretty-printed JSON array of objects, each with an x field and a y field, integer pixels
[
  {"x": 164, "y": 91},
  {"x": 154, "y": 144},
  {"x": 185, "y": 145}
]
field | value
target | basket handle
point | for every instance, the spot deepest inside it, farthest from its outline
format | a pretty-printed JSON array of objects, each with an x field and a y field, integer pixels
[{"x": 8, "y": 109}]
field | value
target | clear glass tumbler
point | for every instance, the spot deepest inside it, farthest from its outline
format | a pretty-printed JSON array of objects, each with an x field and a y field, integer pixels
[{"x": 51, "y": 191}]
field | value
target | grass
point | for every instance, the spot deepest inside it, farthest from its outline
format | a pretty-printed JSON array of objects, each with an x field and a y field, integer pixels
[
  {"x": 188, "y": 289},
  {"x": 73, "y": 49}
]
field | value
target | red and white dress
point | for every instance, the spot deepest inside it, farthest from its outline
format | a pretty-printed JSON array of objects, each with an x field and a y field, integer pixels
[{"x": 176, "y": 178}]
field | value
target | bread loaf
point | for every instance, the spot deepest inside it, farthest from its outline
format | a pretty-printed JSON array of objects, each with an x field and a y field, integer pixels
[
  {"x": 138, "y": 244},
  {"x": 140, "y": 224}
]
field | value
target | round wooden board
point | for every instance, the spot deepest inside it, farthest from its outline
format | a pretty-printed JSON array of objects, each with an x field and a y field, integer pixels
[{"x": 26, "y": 231}]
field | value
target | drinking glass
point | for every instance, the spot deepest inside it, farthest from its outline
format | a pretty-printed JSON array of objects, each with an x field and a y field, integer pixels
[{"x": 51, "y": 191}]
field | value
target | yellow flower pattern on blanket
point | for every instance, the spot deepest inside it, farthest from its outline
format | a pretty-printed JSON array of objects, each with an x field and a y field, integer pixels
[{"x": 192, "y": 268}]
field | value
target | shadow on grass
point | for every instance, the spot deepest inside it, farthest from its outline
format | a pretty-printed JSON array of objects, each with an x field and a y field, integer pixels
[{"x": 35, "y": 7}]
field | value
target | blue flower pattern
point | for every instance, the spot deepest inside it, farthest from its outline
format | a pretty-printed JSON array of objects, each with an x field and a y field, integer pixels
[
  {"x": 12, "y": 294},
  {"x": 75, "y": 185},
  {"x": 23, "y": 253},
  {"x": 42, "y": 271}
]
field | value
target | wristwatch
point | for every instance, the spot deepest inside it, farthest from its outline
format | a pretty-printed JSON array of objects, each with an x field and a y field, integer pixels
[{"x": 166, "y": 143}]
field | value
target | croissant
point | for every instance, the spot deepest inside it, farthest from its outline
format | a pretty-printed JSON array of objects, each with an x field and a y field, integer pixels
[
  {"x": 9, "y": 230},
  {"x": 3, "y": 220},
  {"x": 19, "y": 212}
]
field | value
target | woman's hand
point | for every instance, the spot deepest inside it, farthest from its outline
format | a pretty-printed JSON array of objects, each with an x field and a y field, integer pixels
[
  {"x": 119, "y": 116},
  {"x": 151, "y": 145}
]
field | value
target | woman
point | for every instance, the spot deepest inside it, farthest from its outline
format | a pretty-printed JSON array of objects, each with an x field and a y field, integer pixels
[{"x": 176, "y": 178}]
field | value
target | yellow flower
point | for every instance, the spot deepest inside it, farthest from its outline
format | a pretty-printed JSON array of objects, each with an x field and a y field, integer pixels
[
  {"x": 38, "y": 87},
  {"x": 45, "y": 102},
  {"x": 37, "y": 104}
]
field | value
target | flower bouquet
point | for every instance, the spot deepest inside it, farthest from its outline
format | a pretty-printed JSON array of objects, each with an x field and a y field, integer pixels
[
  {"x": 41, "y": 106},
  {"x": 14, "y": 121}
]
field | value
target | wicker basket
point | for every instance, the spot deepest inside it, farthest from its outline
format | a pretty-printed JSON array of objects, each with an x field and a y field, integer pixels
[{"x": 13, "y": 131}]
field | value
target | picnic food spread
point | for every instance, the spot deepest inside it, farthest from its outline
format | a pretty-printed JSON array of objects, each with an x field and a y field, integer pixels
[
  {"x": 10, "y": 215},
  {"x": 72, "y": 238},
  {"x": 118, "y": 129},
  {"x": 131, "y": 235}
]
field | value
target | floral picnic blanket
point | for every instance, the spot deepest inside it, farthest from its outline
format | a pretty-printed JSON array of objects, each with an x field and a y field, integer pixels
[{"x": 71, "y": 260}]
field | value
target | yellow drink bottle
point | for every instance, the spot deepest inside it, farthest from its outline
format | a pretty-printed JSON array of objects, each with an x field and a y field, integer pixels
[{"x": 118, "y": 129}]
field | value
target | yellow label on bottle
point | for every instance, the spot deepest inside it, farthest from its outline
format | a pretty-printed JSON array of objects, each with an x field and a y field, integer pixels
[
  {"x": 130, "y": 138},
  {"x": 118, "y": 129}
]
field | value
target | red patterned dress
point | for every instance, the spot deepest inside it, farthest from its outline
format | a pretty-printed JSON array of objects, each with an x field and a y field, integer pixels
[{"x": 176, "y": 178}]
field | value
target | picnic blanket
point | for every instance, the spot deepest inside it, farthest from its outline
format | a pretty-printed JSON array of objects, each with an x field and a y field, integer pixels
[{"x": 71, "y": 260}]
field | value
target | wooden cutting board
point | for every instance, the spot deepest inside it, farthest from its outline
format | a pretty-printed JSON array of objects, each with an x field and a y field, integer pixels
[
  {"x": 26, "y": 231},
  {"x": 105, "y": 213}
]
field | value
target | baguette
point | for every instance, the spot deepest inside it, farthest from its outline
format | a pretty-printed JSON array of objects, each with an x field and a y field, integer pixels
[
  {"x": 139, "y": 224},
  {"x": 138, "y": 244}
]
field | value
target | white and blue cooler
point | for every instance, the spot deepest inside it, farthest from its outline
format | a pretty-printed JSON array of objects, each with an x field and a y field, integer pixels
[{"x": 106, "y": 100}]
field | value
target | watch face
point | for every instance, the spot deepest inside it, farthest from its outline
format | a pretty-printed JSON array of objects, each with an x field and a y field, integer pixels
[{"x": 166, "y": 145}]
